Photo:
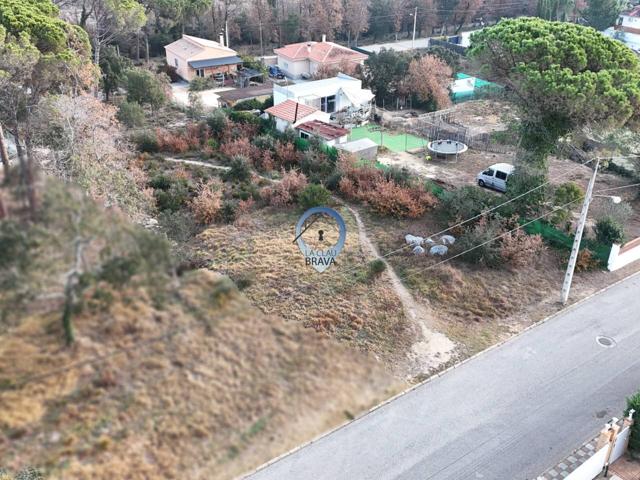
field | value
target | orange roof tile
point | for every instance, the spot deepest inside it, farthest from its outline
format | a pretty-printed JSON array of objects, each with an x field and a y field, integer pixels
[
  {"x": 321, "y": 52},
  {"x": 291, "y": 111}
]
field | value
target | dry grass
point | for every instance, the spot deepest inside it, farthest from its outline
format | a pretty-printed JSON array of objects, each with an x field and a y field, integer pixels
[
  {"x": 340, "y": 301},
  {"x": 232, "y": 389}
]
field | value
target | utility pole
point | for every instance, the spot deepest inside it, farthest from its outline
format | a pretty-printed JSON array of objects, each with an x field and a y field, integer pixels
[
  {"x": 415, "y": 19},
  {"x": 568, "y": 277},
  {"x": 226, "y": 33}
]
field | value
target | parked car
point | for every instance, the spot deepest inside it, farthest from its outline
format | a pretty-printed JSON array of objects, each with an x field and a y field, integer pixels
[
  {"x": 275, "y": 72},
  {"x": 496, "y": 176}
]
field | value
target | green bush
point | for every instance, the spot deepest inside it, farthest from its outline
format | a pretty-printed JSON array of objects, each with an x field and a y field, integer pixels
[
  {"x": 567, "y": 193},
  {"x": 173, "y": 198},
  {"x": 608, "y": 231},
  {"x": 265, "y": 142},
  {"x": 520, "y": 182},
  {"x": 146, "y": 88},
  {"x": 239, "y": 171},
  {"x": 633, "y": 403},
  {"x": 244, "y": 117},
  {"x": 199, "y": 84},
  {"x": 229, "y": 211},
  {"x": 218, "y": 122},
  {"x": 399, "y": 175},
  {"x": 466, "y": 202},
  {"x": 313, "y": 195},
  {"x": 376, "y": 267},
  {"x": 251, "y": 104},
  {"x": 478, "y": 239},
  {"x": 146, "y": 141},
  {"x": 131, "y": 114}
]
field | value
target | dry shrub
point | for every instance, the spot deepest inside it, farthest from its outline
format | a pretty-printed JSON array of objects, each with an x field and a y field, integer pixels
[
  {"x": 586, "y": 261},
  {"x": 266, "y": 163},
  {"x": 206, "y": 205},
  {"x": 171, "y": 142},
  {"x": 286, "y": 155},
  {"x": 245, "y": 206},
  {"x": 241, "y": 147},
  {"x": 385, "y": 196},
  {"x": 518, "y": 249},
  {"x": 286, "y": 191}
]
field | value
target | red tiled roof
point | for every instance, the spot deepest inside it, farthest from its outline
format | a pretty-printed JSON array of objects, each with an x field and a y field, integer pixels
[
  {"x": 287, "y": 111},
  {"x": 635, "y": 12},
  {"x": 321, "y": 52},
  {"x": 323, "y": 129}
]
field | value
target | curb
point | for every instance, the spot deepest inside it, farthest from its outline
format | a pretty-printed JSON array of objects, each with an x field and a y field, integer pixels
[{"x": 437, "y": 375}]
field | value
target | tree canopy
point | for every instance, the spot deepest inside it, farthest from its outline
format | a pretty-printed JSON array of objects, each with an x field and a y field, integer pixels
[
  {"x": 601, "y": 14},
  {"x": 563, "y": 76}
]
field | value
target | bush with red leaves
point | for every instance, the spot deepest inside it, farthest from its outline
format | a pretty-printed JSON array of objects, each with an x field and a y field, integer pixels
[{"x": 286, "y": 191}]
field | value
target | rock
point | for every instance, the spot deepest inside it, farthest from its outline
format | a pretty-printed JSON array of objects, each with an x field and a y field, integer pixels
[
  {"x": 438, "y": 250},
  {"x": 448, "y": 240},
  {"x": 55, "y": 437},
  {"x": 430, "y": 241},
  {"x": 418, "y": 250},
  {"x": 413, "y": 240}
]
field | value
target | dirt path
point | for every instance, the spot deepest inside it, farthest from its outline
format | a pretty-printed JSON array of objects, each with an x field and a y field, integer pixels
[
  {"x": 196, "y": 162},
  {"x": 434, "y": 349}
]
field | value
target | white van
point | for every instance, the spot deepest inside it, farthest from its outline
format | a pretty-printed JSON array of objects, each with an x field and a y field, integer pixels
[{"x": 496, "y": 176}]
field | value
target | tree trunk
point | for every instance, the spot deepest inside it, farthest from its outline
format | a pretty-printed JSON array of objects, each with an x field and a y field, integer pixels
[
  {"x": 31, "y": 176},
  {"x": 138, "y": 47},
  {"x": 146, "y": 46},
  {"x": 4, "y": 154},
  {"x": 67, "y": 313}
]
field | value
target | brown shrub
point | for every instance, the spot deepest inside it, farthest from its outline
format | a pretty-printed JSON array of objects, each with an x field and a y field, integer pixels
[
  {"x": 171, "y": 142},
  {"x": 385, "y": 196},
  {"x": 586, "y": 261},
  {"x": 518, "y": 248},
  {"x": 286, "y": 155},
  {"x": 242, "y": 147},
  {"x": 206, "y": 205},
  {"x": 286, "y": 191}
]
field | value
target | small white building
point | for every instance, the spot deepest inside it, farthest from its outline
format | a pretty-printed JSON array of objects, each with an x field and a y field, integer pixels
[
  {"x": 627, "y": 29},
  {"x": 338, "y": 95},
  {"x": 289, "y": 114}
]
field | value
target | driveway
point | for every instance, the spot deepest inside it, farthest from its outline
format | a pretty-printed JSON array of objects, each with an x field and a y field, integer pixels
[
  {"x": 508, "y": 413},
  {"x": 180, "y": 93}
]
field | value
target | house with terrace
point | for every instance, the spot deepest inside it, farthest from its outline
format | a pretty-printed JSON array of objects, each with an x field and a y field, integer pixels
[
  {"x": 290, "y": 114},
  {"x": 341, "y": 97},
  {"x": 303, "y": 60},
  {"x": 197, "y": 57}
]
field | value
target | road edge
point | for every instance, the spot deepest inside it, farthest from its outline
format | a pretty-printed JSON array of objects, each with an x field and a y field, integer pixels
[{"x": 437, "y": 375}]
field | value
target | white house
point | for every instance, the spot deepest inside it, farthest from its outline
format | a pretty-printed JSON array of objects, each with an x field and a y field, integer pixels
[
  {"x": 342, "y": 97},
  {"x": 627, "y": 29},
  {"x": 289, "y": 114},
  {"x": 302, "y": 60}
]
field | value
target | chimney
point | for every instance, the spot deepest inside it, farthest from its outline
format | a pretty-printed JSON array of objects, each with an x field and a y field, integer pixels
[
  {"x": 221, "y": 39},
  {"x": 308, "y": 47},
  {"x": 295, "y": 115},
  {"x": 324, "y": 38}
]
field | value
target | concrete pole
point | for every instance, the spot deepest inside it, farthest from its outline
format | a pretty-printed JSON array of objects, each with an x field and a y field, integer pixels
[
  {"x": 415, "y": 18},
  {"x": 226, "y": 33},
  {"x": 568, "y": 277}
]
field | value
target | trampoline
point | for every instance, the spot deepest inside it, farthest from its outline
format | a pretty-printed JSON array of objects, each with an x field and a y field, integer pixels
[{"x": 447, "y": 148}]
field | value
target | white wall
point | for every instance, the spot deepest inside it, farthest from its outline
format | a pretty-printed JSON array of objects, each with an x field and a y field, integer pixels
[
  {"x": 183, "y": 68},
  {"x": 622, "y": 255},
  {"x": 293, "y": 69},
  {"x": 631, "y": 22},
  {"x": 592, "y": 467}
]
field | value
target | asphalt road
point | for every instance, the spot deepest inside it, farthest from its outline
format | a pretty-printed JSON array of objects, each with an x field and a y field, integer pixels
[{"x": 509, "y": 413}]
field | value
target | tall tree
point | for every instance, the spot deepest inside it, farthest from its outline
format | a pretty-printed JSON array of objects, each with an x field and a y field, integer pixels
[
  {"x": 39, "y": 54},
  {"x": 356, "y": 18},
  {"x": 429, "y": 79},
  {"x": 562, "y": 76},
  {"x": 110, "y": 19},
  {"x": 602, "y": 14},
  {"x": 384, "y": 72}
]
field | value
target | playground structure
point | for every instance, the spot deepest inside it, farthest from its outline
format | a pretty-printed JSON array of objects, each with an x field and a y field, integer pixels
[{"x": 447, "y": 148}]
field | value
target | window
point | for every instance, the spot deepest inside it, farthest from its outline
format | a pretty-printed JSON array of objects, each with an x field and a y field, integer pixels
[
  {"x": 175, "y": 60},
  {"x": 501, "y": 175},
  {"x": 488, "y": 173},
  {"x": 304, "y": 135},
  {"x": 200, "y": 72},
  {"x": 328, "y": 104}
]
